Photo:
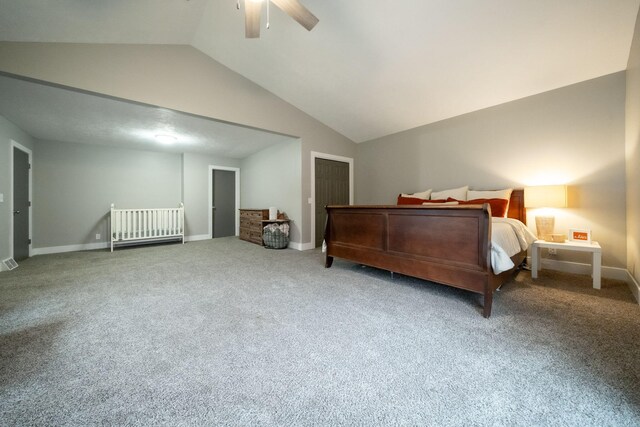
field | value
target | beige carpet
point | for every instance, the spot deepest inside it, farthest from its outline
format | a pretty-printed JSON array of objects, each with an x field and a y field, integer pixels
[{"x": 224, "y": 332}]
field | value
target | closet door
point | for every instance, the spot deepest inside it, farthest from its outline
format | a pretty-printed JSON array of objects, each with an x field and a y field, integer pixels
[
  {"x": 20, "y": 204},
  {"x": 332, "y": 188},
  {"x": 224, "y": 203}
]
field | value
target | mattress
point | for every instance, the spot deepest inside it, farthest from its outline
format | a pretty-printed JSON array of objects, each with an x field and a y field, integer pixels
[{"x": 508, "y": 237}]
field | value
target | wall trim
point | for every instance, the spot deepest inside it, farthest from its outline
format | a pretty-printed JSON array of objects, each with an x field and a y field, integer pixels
[
  {"x": 98, "y": 245},
  {"x": 634, "y": 286},
  {"x": 301, "y": 246},
  {"x": 312, "y": 200},
  {"x": 615, "y": 273},
  {"x": 70, "y": 248},
  {"x": 197, "y": 237}
]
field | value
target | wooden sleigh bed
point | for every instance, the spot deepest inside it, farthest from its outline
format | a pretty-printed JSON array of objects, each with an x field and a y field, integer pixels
[{"x": 450, "y": 245}]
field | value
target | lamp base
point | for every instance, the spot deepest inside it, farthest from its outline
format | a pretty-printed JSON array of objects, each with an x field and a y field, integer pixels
[{"x": 545, "y": 226}]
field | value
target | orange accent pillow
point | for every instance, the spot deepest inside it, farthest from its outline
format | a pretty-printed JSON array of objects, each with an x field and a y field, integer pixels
[
  {"x": 409, "y": 200},
  {"x": 498, "y": 206},
  {"x": 415, "y": 201}
]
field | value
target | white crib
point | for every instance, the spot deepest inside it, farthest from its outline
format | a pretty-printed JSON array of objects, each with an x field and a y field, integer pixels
[{"x": 146, "y": 225}]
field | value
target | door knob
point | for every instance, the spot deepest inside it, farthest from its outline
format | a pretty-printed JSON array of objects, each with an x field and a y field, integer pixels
[{"x": 16, "y": 212}]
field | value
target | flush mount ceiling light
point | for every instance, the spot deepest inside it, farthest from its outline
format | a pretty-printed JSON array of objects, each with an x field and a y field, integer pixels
[
  {"x": 293, "y": 8},
  {"x": 166, "y": 139}
]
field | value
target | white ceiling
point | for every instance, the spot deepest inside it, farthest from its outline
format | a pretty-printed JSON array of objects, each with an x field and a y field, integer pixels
[
  {"x": 369, "y": 68},
  {"x": 53, "y": 113}
]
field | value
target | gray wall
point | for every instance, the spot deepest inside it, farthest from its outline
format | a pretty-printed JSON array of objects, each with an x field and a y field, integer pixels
[
  {"x": 633, "y": 155},
  {"x": 75, "y": 184},
  {"x": 272, "y": 177},
  {"x": 8, "y": 132},
  {"x": 196, "y": 190},
  {"x": 183, "y": 79},
  {"x": 572, "y": 135}
]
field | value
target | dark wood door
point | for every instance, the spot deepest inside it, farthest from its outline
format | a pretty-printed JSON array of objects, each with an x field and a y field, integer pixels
[
  {"x": 224, "y": 203},
  {"x": 20, "y": 204},
  {"x": 332, "y": 188}
]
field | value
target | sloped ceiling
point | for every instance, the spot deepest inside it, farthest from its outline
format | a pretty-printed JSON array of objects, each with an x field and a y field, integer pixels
[{"x": 368, "y": 69}]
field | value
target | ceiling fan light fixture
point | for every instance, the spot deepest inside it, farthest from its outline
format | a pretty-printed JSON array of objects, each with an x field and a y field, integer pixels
[
  {"x": 293, "y": 8},
  {"x": 166, "y": 139}
]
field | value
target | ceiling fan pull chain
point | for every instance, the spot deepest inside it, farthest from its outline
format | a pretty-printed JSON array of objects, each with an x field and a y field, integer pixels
[{"x": 268, "y": 24}]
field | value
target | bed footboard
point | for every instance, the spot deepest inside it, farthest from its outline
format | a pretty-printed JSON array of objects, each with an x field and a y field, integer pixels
[{"x": 448, "y": 245}]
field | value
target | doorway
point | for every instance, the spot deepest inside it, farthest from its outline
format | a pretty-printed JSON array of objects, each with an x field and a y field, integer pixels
[
  {"x": 21, "y": 202},
  {"x": 224, "y": 201},
  {"x": 332, "y": 185}
]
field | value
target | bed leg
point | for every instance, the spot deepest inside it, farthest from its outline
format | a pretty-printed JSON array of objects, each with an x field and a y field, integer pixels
[
  {"x": 328, "y": 260},
  {"x": 488, "y": 299}
]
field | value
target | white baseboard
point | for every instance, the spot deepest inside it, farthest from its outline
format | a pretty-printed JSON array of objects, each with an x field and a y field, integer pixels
[
  {"x": 70, "y": 248},
  {"x": 615, "y": 273},
  {"x": 196, "y": 237},
  {"x": 301, "y": 246},
  {"x": 581, "y": 268},
  {"x": 634, "y": 286},
  {"x": 93, "y": 246}
]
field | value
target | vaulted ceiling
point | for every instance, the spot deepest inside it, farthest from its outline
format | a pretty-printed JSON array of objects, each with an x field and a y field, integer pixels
[{"x": 369, "y": 68}]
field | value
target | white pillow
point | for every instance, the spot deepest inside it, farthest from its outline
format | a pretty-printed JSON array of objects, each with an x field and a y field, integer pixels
[
  {"x": 454, "y": 193},
  {"x": 421, "y": 195},
  {"x": 497, "y": 194}
]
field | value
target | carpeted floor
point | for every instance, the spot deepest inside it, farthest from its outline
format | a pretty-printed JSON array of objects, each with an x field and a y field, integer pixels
[{"x": 223, "y": 332}]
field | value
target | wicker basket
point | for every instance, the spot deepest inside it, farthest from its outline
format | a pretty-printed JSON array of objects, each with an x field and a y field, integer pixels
[{"x": 275, "y": 239}]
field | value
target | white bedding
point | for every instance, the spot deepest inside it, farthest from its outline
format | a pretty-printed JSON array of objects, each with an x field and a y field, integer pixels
[{"x": 508, "y": 237}]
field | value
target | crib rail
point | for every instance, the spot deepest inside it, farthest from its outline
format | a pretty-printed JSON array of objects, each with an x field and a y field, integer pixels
[{"x": 140, "y": 225}]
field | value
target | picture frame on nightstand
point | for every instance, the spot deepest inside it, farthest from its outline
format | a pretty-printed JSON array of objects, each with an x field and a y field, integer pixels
[{"x": 579, "y": 235}]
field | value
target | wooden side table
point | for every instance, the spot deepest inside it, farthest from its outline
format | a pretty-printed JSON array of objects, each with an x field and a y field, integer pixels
[{"x": 592, "y": 247}]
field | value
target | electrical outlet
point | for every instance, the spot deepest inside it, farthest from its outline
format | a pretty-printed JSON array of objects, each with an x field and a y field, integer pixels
[
  {"x": 552, "y": 251},
  {"x": 98, "y": 236}
]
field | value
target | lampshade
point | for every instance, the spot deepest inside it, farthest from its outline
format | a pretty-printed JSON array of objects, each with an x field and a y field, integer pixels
[{"x": 545, "y": 196}]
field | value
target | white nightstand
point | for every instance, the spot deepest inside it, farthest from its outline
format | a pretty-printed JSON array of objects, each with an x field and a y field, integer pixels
[{"x": 592, "y": 247}]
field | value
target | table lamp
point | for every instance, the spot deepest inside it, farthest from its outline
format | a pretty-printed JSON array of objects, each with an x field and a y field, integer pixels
[{"x": 545, "y": 196}]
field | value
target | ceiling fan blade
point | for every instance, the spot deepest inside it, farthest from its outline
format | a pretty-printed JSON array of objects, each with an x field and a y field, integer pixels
[
  {"x": 297, "y": 11},
  {"x": 252, "y": 11}
]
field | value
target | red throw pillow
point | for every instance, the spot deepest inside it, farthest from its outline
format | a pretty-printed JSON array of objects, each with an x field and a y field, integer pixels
[
  {"x": 403, "y": 200},
  {"x": 498, "y": 206},
  {"x": 410, "y": 200}
]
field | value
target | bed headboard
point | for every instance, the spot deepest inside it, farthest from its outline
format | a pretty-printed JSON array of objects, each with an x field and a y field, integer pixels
[{"x": 516, "y": 206}]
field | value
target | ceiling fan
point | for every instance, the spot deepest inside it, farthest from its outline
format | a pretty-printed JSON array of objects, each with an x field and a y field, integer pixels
[{"x": 293, "y": 8}]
